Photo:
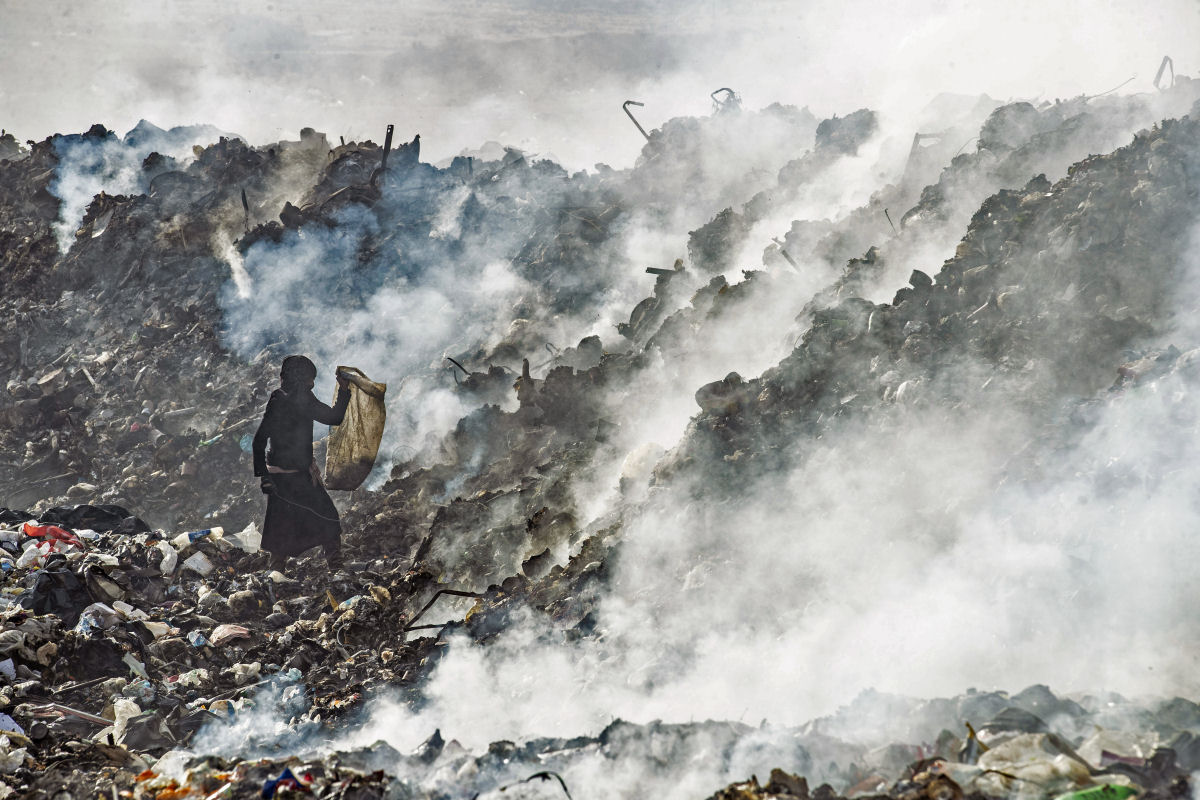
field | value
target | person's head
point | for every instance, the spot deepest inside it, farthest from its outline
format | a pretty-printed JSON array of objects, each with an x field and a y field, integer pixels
[{"x": 298, "y": 374}]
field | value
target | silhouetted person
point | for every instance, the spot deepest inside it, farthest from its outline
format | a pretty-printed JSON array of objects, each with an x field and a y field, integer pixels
[{"x": 300, "y": 514}]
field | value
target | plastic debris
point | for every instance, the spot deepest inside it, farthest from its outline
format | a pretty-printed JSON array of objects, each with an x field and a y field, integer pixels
[
  {"x": 135, "y": 666},
  {"x": 1105, "y": 791},
  {"x": 226, "y": 633},
  {"x": 199, "y": 563},
  {"x": 184, "y": 539},
  {"x": 286, "y": 780}
]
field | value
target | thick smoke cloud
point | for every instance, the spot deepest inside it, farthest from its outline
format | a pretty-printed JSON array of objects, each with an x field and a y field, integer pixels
[
  {"x": 905, "y": 553},
  {"x": 406, "y": 325}
]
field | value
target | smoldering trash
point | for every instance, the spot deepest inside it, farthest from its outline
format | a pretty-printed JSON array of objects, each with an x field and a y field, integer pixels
[{"x": 725, "y": 475}]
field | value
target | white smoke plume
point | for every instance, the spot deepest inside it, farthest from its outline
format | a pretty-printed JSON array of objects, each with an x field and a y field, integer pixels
[{"x": 89, "y": 165}]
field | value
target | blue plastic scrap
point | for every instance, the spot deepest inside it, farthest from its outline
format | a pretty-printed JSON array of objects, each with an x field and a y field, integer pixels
[{"x": 285, "y": 780}]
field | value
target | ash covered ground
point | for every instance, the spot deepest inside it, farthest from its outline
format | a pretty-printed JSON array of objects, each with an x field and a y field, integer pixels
[{"x": 875, "y": 453}]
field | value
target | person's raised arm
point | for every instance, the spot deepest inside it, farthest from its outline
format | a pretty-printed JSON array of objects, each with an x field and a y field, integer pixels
[{"x": 330, "y": 415}]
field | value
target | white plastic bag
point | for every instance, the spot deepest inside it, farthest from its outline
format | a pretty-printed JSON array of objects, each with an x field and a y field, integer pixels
[
  {"x": 170, "y": 558},
  {"x": 249, "y": 539}
]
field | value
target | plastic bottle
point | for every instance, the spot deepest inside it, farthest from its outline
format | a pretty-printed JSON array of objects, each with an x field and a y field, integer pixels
[{"x": 184, "y": 539}]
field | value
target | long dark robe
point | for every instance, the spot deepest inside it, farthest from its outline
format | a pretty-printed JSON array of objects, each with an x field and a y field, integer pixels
[{"x": 300, "y": 513}]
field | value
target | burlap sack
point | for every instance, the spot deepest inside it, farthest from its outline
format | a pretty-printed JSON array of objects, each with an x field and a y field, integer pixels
[{"x": 354, "y": 444}]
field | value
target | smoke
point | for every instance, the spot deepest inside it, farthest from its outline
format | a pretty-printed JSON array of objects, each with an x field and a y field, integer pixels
[
  {"x": 922, "y": 553},
  {"x": 906, "y": 550},
  {"x": 266, "y": 69},
  {"x": 923, "y": 548},
  {"x": 278, "y": 712},
  {"x": 393, "y": 304},
  {"x": 91, "y": 164}
]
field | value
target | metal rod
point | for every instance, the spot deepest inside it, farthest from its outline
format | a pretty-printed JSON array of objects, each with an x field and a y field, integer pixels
[
  {"x": 787, "y": 256},
  {"x": 625, "y": 107},
  {"x": 432, "y": 600},
  {"x": 731, "y": 98},
  {"x": 387, "y": 146},
  {"x": 50, "y": 708},
  {"x": 1165, "y": 63},
  {"x": 83, "y": 685},
  {"x": 1118, "y": 86}
]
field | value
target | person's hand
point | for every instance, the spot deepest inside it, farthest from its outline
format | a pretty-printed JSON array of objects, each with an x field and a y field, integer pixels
[
  {"x": 343, "y": 380},
  {"x": 267, "y": 485}
]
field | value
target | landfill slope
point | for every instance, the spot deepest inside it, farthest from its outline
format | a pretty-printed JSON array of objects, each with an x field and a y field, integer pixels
[{"x": 149, "y": 650}]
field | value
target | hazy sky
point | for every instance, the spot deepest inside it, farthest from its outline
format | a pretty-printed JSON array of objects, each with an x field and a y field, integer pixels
[{"x": 550, "y": 76}]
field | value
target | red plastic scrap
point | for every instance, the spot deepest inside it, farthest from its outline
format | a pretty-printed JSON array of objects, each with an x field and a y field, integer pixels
[{"x": 52, "y": 534}]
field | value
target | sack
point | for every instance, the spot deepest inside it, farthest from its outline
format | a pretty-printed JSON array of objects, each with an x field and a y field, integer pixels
[{"x": 354, "y": 444}]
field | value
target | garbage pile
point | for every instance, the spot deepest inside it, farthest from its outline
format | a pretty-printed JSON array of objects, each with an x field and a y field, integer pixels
[
  {"x": 1033, "y": 743},
  {"x": 1038, "y": 296},
  {"x": 117, "y": 388},
  {"x": 149, "y": 650},
  {"x": 1011, "y": 751},
  {"x": 122, "y": 642}
]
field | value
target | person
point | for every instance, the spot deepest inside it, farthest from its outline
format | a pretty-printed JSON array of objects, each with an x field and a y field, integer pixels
[{"x": 300, "y": 514}]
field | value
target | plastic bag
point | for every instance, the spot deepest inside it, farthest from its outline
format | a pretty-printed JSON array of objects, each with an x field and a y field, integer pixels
[
  {"x": 354, "y": 444},
  {"x": 225, "y": 633},
  {"x": 249, "y": 539},
  {"x": 52, "y": 534},
  {"x": 170, "y": 558},
  {"x": 97, "y": 617}
]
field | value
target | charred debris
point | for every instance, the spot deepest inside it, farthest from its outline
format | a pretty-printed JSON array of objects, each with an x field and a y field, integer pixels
[{"x": 142, "y": 619}]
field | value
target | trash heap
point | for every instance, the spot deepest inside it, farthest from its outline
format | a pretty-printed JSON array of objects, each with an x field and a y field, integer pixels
[
  {"x": 1013, "y": 752},
  {"x": 117, "y": 388},
  {"x": 150, "y": 652},
  {"x": 123, "y": 642},
  {"x": 1038, "y": 296},
  {"x": 1079, "y": 754}
]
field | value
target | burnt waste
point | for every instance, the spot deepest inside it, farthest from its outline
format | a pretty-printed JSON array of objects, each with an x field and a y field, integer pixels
[{"x": 804, "y": 427}]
